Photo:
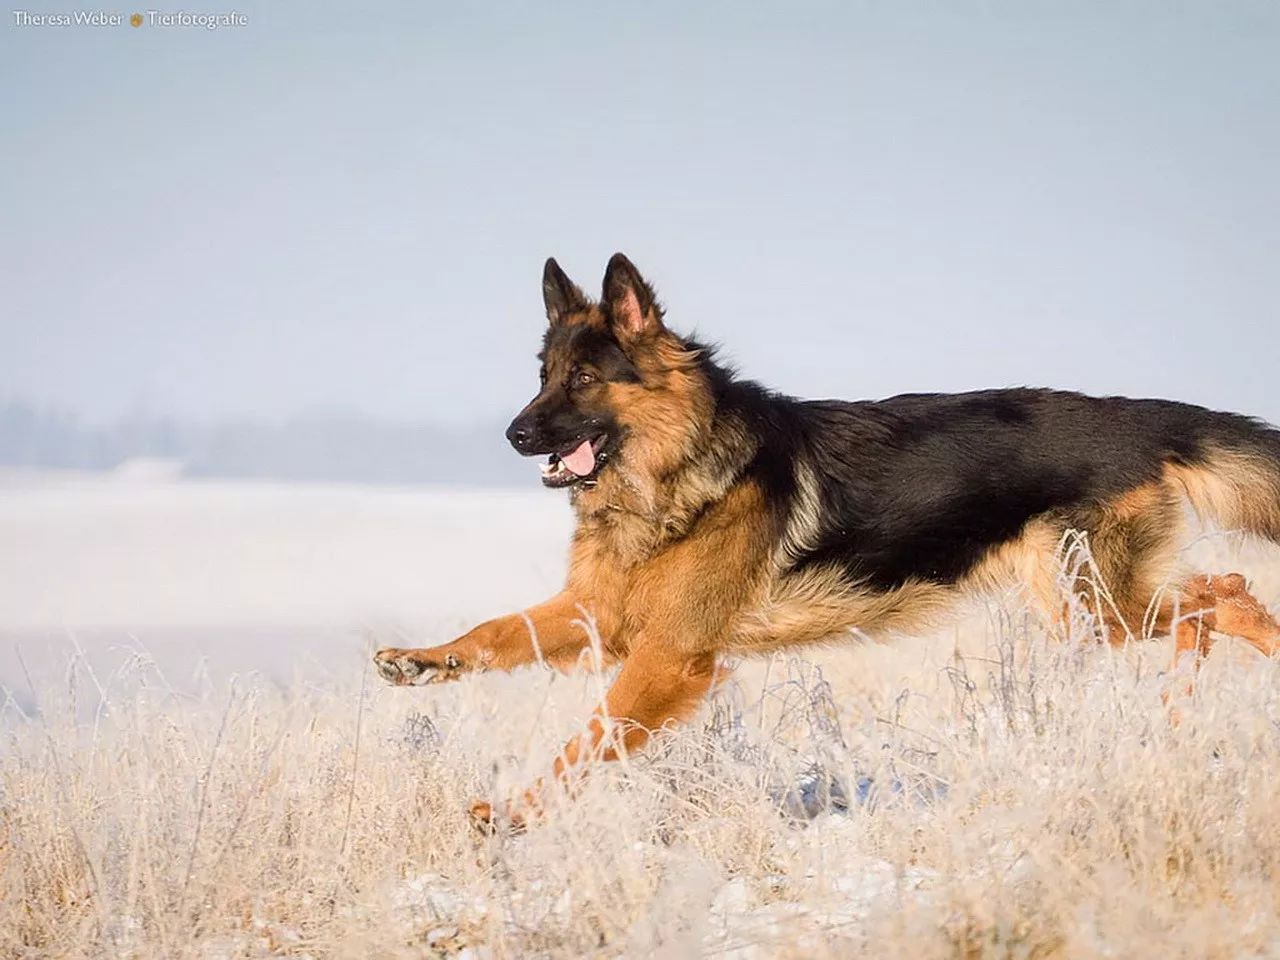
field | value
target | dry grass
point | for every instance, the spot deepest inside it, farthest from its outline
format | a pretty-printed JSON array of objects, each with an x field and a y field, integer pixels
[{"x": 1001, "y": 795}]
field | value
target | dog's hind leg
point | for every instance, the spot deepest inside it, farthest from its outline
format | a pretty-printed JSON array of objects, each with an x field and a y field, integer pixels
[
  {"x": 1133, "y": 545},
  {"x": 555, "y": 632},
  {"x": 1223, "y": 604},
  {"x": 1238, "y": 613},
  {"x": 1134, "y": 542}
]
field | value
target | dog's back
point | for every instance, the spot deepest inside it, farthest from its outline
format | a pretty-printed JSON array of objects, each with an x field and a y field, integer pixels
[{"x": 924, "y": 486}]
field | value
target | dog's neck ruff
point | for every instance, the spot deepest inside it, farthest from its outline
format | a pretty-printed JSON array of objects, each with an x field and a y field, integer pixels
[{"x": 634, "y": 514}]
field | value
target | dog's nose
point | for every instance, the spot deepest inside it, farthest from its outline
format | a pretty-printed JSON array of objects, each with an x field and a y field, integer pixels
[{"x": 520, "y": 436}]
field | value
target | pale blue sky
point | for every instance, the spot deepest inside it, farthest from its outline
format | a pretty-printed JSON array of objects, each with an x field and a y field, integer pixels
[{"x": 349, "y": 206}]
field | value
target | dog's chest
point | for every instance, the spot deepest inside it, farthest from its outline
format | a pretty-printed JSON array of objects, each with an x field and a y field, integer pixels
[{"x": 615, "y": 568}]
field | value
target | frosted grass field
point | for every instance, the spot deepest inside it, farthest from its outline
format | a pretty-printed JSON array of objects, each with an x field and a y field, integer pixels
[{"x": 197, "y": 762}]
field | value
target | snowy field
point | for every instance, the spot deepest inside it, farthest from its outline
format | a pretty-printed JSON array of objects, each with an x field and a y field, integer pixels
[
  {"x": 279, "y": 579},
  {"x": 197, "y": 761}
]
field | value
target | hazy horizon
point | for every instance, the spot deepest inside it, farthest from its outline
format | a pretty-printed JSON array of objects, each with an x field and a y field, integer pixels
[{"x": 325, "y": 210}]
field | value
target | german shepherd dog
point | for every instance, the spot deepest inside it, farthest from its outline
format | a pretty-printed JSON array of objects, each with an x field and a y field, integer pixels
[{"x": 716, "y": 517}]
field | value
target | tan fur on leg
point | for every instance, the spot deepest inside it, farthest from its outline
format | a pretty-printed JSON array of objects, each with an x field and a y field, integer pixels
[
  {"x": 1223, "y": 604},
  {"x": 551, "y": 631},
  {"x": 656, "y": 686}
]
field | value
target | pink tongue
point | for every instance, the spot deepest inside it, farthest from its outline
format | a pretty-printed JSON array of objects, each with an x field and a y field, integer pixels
[{"x": 583, "y": 459}]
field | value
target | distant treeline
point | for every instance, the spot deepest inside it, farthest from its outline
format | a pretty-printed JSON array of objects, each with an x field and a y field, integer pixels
[{"x": 312, "y": 447}]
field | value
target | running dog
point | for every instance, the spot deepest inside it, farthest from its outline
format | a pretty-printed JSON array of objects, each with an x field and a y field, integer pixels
[{"x": 717, "y": 517}]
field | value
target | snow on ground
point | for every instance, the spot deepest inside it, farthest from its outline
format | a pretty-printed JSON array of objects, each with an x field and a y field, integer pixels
[
  {"x": 261, "y": 576},
  {"x": 978, "y": 792}
]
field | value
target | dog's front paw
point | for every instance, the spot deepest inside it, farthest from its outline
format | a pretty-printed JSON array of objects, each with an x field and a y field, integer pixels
[{"x": 415, "y": 667}]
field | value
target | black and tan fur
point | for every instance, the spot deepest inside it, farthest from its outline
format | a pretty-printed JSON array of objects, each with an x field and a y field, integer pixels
[{"x": 722, "y": 518}]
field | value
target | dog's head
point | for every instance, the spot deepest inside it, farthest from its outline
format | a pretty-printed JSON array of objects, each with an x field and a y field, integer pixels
[{"x": 616, "y": 384}]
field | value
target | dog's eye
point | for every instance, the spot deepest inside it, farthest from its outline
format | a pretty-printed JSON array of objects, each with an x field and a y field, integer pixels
[
  {"x": 583, "y": 378},
  {"x": 542, "y": 376}
]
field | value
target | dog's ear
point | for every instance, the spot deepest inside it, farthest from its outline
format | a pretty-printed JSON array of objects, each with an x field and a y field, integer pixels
[
  {"x": 633, "y": 309},
  {"x": 560, "y": 294}
]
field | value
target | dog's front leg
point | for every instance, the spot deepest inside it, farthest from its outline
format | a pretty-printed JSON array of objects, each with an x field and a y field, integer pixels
[
  {"x": 555, "y": 631},
  {"x": 657, "y": 685}
]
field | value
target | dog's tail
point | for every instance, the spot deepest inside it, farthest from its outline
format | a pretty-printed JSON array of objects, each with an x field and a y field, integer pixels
[{"x": 1236, "y": 484}]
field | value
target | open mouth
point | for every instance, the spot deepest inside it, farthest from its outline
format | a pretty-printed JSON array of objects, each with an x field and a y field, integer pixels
[{"x": 579, "y": 464}]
